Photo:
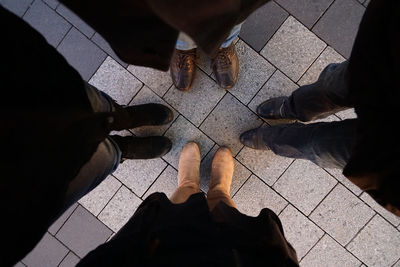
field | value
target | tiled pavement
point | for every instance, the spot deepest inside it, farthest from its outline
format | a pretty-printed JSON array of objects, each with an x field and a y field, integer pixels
[{"x": 283, "y": 45}]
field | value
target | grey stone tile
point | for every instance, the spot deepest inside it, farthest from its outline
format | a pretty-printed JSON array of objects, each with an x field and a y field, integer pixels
[
  {"x": 48, "y": 252},
  {"x": 52, "y": 3},
  {"x": 264, "y": 163},
  {"x": 47, "y": 22},
  {"x": 116, "y": 81},
  {"x": 198, "y": 102},
  {"x": 240, "y": 173},
  {"x": 19, "y": 264},
  {"x": 103, "y": 44},
  {"x": 138, "y": 175},
  {"x": 81, "y": 53},
  {"x": 328, "y": 252},
  {"x": 308, "y": 12},
  {"x": 18, "y": 7},
  {"x": 393, "y": 219},
  {"x": 98, "y": 198},
  {"x": 339, "y": 25},
  {"x": 366, "y": 3},
  {"x": 347, "y": 114},
  {"x": 53, "y": 229},
  {"x": 203, "y": 61},
  {"x": 120, "y": 209},
  {"x": 166, "y": 183},
  {"x": 302, "y": 233},
  {"x": 337, "y": 173},
  {"x": 255, "y": 196},
  {"x": 304, "y": 185},
  {"x": 158, "y": 81},
  {"x": 254, "y": 72},
  {"x": 146, "y": 95},
  {"x": 277, "y": 85},
  {"x": 70, "y": 260},
  {"x": 327, "y": 57},
  {"x": 180, "y": 133},
  {"x": 341, "y": 214},
  {"x": 397, "y": 264},
  {"x": 262, "y": 24},
  {"x": 227, "y": 121},
  {"x": 75, "y": 20},
  {"x": 378, "y": 244},
  {"x": 83, "y": 232},
  {"x": 293, "y": 48}
]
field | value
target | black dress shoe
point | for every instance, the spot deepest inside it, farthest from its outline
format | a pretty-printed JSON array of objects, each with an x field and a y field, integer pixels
[
  {"x": 273, "y": 108},
  {"x": 142, "y": 147},
  {"x": 254, "y": 139}
]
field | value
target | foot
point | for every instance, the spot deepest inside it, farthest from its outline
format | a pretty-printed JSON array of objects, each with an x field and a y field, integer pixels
[
  {"x": 254, "y": 139},
  {"x": 189, "y": 166},
  {"x": 142, "y": 115},
  {"x": 142, "y": 147},
  {"x": 273, "y": 108},
  {"x": 226, "y": 67},
  {"x": 222, "y": 171},
  {"x": 183, "y": 68}
]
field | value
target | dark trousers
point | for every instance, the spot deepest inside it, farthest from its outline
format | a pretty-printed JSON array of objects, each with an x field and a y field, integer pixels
[{"x": 328, "y": 144}]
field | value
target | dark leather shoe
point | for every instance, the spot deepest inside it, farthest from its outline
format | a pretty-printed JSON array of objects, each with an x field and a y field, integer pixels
[
  {"x": 183, "y": 68},
  {"x": 273, "y": 108},
  {"x": 254, "y": 139},
  {"x": 226, "y": 67},
  {"x": 142, "y": 147}
]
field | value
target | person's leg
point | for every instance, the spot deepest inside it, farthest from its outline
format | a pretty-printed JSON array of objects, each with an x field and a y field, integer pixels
[
  {"x": 188, "y": 174},
  {"x": 327, "y": 144},
  {"x": 328, "y": 95},
  {"x": 221, "y": 178}
]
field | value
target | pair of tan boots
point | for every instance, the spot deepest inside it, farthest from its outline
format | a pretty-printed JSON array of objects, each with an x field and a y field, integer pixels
[{"x": 189, "y": 176}]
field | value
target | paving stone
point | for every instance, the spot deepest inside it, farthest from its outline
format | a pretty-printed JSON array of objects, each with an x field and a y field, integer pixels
[
  {"x": 328, "y": 252},
  {"x": 138, "y": 175},
  {"x": 53, "y": 229},
  {"x": 48, "y": 252},
  {"x": 304, "y": 184},
  {"x": 327, "y": 57},
  {"x": 393, "y": 219},
  {"x": 116, "y": 81},
  {"x": 145, "y": 96},
  {"x": 158, "y": 81},
  {"x": 366, "y": 3},
  {"x": 81, "y": 53},
  {"x": 378, "y": 244},
  {"x": 308, "y": 12},
  {"x": 83, "y": 232},
  {"x": 103, "y": 44},
  {"x": 98, "y": 198},
  {"x": 70, "y": 260},
  {"x": 166, "y": 183},
  {"x": 264, "y": 163},
  {"x": 262, "y": 24},
  {"x": 227, "y": 121},
  {"x": 277, "y": 85},
  {"x": 240, "y": 173},
  {"x": 18, "y": 7},
  {"x": 347, "y": 114},
  {"x": 341, "y": 214},
  {"x": 397, "y": 264},
  {"x": 255, "y": 196},
  {"x": 47, "y": 22},
  {"x": 337, "y": 173},
  {"x": 120, "y": 209},
  {"x": 254, "y": 72},
  {"x": 52, "y": 3},
  {"x": 302, "y": 233},
  {"x": 19, "y": 264},
  {"x": 293, "y": 48},
  {"x": 75, "y": 20},
  {"x": 203, "y": 61},
  {"x": 180, "y": 133},
  {"x": 197, "y": 103},
  {"x": 339, "y": 25}
]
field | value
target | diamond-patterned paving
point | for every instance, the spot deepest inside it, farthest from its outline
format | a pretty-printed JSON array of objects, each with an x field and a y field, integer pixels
[{"x": 283, "y": 45}]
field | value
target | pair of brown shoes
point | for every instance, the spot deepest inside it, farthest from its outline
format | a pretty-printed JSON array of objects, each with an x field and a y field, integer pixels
[{"x": 225, "y": 66}]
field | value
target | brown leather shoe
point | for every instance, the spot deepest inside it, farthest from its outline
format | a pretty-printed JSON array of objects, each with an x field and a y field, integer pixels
[
  {"x": 226, "y": 67},
  {"x": 183, "y": 68}
]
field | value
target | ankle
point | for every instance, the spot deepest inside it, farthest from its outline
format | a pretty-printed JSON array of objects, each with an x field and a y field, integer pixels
[{"x": 189, "y": 185}]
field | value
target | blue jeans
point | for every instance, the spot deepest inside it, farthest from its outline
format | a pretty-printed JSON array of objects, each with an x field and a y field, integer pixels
[
  {"x": 186, "y": 43},
  {"x": 103, "y": 162}
]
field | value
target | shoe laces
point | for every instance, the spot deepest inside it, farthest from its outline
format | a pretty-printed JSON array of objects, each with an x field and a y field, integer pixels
[
  {"x": 184, "y": 60},
  {"x": 222, "y": 59}
]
